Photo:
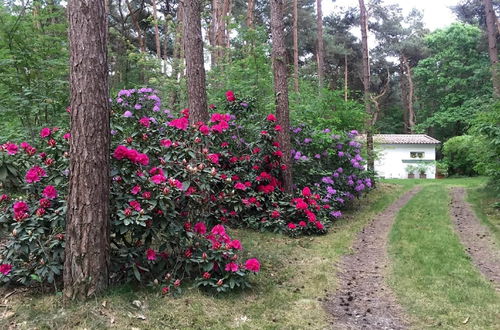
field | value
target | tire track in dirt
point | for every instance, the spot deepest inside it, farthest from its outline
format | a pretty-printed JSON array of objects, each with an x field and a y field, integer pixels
[
  {"x": 476, "y": 237},
  {"x": 363, "y": 300}
]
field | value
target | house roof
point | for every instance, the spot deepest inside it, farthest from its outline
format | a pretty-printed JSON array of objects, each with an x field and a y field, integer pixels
[{"x": 402, "y": 139}]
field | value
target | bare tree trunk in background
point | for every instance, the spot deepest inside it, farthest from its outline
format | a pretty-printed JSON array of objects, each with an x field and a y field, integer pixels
[
  {"x": 228, "y": 9},
  {"x": 366, "y": 85},
  {"x": 178, "y": 55},
  {"x": 295, "y": 46},
  {"x": 411, "y": 91},
  {"x": 321, "y": 44},
  {"x": 87, "y": 251},
  {"x": 157, "y": 31},
  {"x": 195, "y": 69},
  {"x": 404, "y": 93},
  {"x": 165, "y": 45},
  {"x": 135, "y": 23},
  {"x": 220, "y": 11},
  {"x": 281, "y": 87},
  {"x": 346, "y": 77},
  {"x": 492, "y": 45},
  {"x": 250, "y": 14}
]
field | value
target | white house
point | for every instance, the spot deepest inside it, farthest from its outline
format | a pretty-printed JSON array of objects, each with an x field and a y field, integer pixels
[{"x": 399, "y": 154}]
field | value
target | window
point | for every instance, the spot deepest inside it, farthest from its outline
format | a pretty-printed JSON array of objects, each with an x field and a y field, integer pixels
[{"x": 417, "y": 154}]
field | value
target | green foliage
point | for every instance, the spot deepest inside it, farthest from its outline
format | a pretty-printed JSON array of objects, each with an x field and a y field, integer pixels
[
  {"x": 460, "y": 154},
  {"x": 486, "y": 129},
  {"x": 452, "y": 76},
  {"x": 33, "y": 69}
]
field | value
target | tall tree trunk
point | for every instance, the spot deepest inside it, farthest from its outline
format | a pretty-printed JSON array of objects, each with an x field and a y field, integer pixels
[
  {"x": 165, "y": 44},
  {"x": 178, "y": 55},
  {"x": 346, "y": 77},
  {"x": 250, "y": 14},
  {"x": 492, "y": 45},
  {"x": 157, "y": 31},
  {"x": 195, "y": 69},
  {"x": 404, "y": 93},
  {"x": 321, "y": 44},
  {"x": 281, "y": 87},
  {"x": 295, "y": 46},
  {"x": 86, "y": 264},
  {"x": 366, "y": 85},
  {"x": 411, "y": 90},
  {"x": 137, "y": 27}
]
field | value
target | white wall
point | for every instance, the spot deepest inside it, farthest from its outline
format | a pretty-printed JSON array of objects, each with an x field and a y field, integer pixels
[{"x": 391, "y": 156}]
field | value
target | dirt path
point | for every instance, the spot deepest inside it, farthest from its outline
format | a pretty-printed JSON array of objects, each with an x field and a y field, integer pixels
[
  {"x": 363, "y": 300},
  {"x": 476, "y": 237}
]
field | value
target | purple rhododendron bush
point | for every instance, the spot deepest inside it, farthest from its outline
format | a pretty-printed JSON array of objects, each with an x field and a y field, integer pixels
[{"x": 175, "y": 189}]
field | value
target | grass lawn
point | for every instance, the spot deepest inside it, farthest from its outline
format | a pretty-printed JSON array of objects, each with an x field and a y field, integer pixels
[
  {"x": 287, "y": 294},
  {"x": 431, "y": 274}
]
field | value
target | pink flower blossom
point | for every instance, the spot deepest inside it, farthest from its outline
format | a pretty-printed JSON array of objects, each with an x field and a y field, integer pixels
[
  {"x": 275, "y": 214},
  {"x": 204, "y": 129},
  {"x": 67, "y": 136},
  {"x": 166, "y": 143},
  {"x": 271, "y": 117},
  {"x": 218, "y": 230},
  {"x": 50, "y": 192},
  {"x": 11, "y": 148},
  {"x": 230, "y": 96},
  {"x": 5, "y": 269},
  {"x": 213, "y": 158},
  {"x": 120, "y": 152},
  {"x": 45, "y": 132},
  {"x": 145, "y": 121},
  {"x": 232, "y": 267},
  {"x": 240, "y": 186},
  {"x": 319, "y": 225},
  {"x": 20, "y": 206},
  {"x": 158, "y": 179},
  {"x": 135, "y": 205},
  {"x": 252, "y": 265},
  {"x": 135, "y": 190},
  {"x": 200, "y": 228},
  {"x": 34, "y": 174},
  {"x": 151, "y": 254},
  {"x": 291, "y": 225},
  {"x": 306, "y": 192},
  {"x": 235, "y": 244},
  {"x": 179, "y": 123}
]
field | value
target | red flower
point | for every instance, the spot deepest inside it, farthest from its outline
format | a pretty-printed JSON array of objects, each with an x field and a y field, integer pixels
[
  {"x": 240, "y": 186},
  {"x": 291, "y": 225},
  {"x": 45, "y": 132},
  {"x": 204, "y": 129},
  {"x": 302, "y": 223},
  {"x": 206, "y": 275},
  {"x": 232, "y": 267},
  {"x": 165, "y": 290},
  {"x": 20, "y": 207},
  {"x": 5, "y": 269},
  {"x": 135, "y": 190},
  {"x": 50, "y": 192},
  {"x": 252, "y": 265},
  {"x": 218, "y": 230},
  {"x": 159, "y": 178},
  {"x": 34, "y": 174},
  {"x": 306, "y": 192},
  {"x": 179, "y": 123},
  {"x": 166, "y": 143},
  {"x": 277, "y": 128},
  {"x": 151, "y": 254},
  {"x": 213, "y": 158},
  {"x": 271, "y": 117},
  {"x": 145, "y": 121},
  {"x": 319, "y": 225},
  {"x": 235, "y": 244},
  {"x": 275, "y": 214},
  {"x": 230, "y": 96},
  {"x": 200, "y": 228},
  {"x": 11, "y": 148}
]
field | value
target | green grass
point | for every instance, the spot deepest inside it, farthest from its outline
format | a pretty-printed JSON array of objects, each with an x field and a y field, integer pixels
[
  {"x": 432, "y": 275},
  {"x": 295, "y": 277}
]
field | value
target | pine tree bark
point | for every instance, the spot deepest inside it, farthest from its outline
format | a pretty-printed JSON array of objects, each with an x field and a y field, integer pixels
[
  {"x": 411, "y": 91},
  {"x": 157, "y": 31},
  {"x": 195, "y": 69},
  {"x": 492, "y": 31},
  {"x": 178, "y": 55},
  {"x": 346, "y": 77},
  {"x": 281, "y": 87},
  {"x": 366, "y": 85},
  {"x": 321, "y": 44},
  {"x": 250, "y": 14},
  {"x": 295, "y": 46},
  {"x": 86, "y": 266}
]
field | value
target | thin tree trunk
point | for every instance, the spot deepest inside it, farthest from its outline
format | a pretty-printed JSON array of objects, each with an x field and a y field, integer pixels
[
  {"x": 411, "y": 89},
  {"x": 321, "y": 44},
  {"x": 178, "y": 56},
  {"x": 165, "y": 45},
  {"x": 86, "y": 266},
  {"x": 346, "y": 77},
  {"x": 281, "y": 87},
  {"x": 404, "y": 94},
  {"x": 250, "y": 14},
  {"x": 195, "y": 70},
  {"x": 492, "y": 45},
  {"x": 366, "y": 85},
  {"x": 157, "y": 31},
  {"x": 138, "y": 30},
  {"x": 295, "y": 46}
]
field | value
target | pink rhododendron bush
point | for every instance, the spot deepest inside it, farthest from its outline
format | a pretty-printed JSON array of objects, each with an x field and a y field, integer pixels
[{"x": 175, "y": 188}]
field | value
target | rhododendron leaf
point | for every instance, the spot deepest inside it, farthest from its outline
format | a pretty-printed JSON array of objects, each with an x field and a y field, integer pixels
[
  {"x": 136, "y": 273},
  {"x": 208, "y": 267}
]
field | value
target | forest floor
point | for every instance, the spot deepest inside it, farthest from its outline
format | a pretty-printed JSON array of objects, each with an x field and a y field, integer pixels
[{"x": 399, "y": 241}]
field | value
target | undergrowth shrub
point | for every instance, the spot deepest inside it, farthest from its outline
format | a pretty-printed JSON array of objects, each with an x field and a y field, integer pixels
[{"x": 175, "y": 186}]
